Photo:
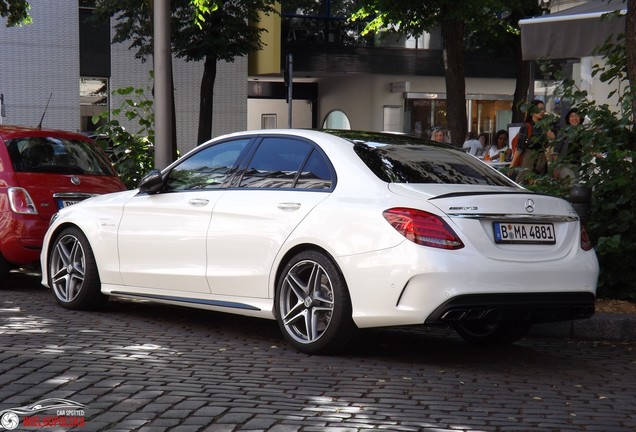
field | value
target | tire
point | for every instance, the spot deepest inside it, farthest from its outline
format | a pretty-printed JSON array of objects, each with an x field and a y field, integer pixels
[
  {"x": 5, "y": 268},
  {"x": 313, "y": 308},
  {"x": 73, "y": 275},
  {"x": 492, "y": 334}
]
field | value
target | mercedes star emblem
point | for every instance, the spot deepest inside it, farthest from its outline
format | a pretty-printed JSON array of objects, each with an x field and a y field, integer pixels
[{"x": 530, "y": 206}]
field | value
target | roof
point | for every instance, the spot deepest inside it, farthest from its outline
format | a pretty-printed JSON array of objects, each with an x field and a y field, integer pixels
[
  {"x": 572, "y": 33},
  {"x": 14, "y": 131}
]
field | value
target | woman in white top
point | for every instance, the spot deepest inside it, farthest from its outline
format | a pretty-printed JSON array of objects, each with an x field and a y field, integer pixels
[{"x": 499, "y": 147}]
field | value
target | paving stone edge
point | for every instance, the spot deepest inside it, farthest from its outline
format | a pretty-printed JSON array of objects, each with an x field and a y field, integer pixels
[{"x": 601, "y": 326}]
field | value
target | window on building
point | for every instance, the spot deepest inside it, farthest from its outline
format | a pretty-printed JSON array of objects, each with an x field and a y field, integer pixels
[
  {"x": 422, "y": 115},
  {"x": 336, "y": 120},
  {"x": 486, "y": 114},
  {"x": 93, "y": 101},
  {"x": 268, "y": 121}
]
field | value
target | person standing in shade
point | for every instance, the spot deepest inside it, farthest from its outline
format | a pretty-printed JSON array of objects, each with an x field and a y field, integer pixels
[
  {"x": 533, "y": 141},
  {"x": 565, "y": 148}
]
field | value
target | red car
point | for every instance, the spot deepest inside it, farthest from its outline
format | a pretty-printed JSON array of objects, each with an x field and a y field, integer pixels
[{"x": 42, "y": 171}]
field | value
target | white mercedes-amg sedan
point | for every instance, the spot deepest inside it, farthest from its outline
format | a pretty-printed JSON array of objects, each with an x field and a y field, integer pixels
[{"x": 328, "y": 232}]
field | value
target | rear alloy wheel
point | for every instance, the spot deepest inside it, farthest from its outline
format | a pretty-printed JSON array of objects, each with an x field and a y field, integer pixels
[
  {"x": 492, "y": 333},
  {"x": 73, "y": 275},
  {"x": 313, "y": 308}
]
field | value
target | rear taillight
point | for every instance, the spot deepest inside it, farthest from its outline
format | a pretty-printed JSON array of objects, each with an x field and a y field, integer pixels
[
  {"x": 20, "y": 201},
  {"x": 423, "y": 228},
  {"x": 586, "y": 243}
]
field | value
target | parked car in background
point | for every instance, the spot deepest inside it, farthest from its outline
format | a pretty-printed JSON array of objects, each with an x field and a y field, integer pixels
[
  {"x": 328, "y": 232},
  {"x": 42, "y": 171}
]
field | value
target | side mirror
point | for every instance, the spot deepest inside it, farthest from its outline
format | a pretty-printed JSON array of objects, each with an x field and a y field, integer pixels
[{"x": 152, "y": 182}]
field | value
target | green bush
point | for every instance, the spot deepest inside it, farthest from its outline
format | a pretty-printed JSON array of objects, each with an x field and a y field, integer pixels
[
  {"x": 132, "y": 151},
  {"x": 606, "y": 163}
]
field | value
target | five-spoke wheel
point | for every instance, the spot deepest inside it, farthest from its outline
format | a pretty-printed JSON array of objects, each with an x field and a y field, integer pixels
[
  {"x": 73, "y": 275},
  {"x": 313, "y": 305}
]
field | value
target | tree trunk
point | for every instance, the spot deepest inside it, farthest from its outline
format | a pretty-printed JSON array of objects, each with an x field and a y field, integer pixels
[
  {"x": 206, "y": 103},
  {"x": 521, "y": 86},
  {"x": 630, "y": 35},
  {"x": 453, "y": 53}
]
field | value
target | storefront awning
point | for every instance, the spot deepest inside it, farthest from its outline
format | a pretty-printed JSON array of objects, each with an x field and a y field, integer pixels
[{"x": 572, "y": 33}]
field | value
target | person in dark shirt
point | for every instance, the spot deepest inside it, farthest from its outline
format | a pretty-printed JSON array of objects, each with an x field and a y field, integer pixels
[{"x": 533, "y": 141}]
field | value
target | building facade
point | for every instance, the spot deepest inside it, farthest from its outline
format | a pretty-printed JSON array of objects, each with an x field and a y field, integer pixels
[
  {"x": 379, "y": 83},
  {"x": 62, "y": 57}
]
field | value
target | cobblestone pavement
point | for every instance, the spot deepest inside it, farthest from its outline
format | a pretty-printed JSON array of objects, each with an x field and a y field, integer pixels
[{"x": 161, "y": 368}]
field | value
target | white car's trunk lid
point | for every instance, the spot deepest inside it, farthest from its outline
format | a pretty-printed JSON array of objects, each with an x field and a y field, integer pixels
[{"x": 505, "y": 224}]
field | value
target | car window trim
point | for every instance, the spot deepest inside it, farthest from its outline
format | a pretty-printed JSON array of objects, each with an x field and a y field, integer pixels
[
  {"x": 236, "y": 166},
  {"x": 314, "y": 147}
]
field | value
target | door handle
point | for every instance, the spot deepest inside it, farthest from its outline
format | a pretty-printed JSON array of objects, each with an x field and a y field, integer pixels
[
  {"x": 289, "y": 206},
  {"x": 198, "y": 202}
]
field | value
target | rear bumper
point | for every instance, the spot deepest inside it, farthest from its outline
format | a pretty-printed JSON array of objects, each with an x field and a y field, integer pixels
[
  {"x": 529, "y": 308},
  {"x": 403, "y": 286},
  {"x": 21, "y": 238}
]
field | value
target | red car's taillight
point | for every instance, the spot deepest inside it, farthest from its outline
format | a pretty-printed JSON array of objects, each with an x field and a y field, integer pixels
[
  {"x": 586, "y": 243},
  {"x": 423, "y": 228},
  {"x": 20, "y": 201}
]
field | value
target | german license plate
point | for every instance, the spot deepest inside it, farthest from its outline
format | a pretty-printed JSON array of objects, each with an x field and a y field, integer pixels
[
  {"x": 524, "y": 233},
  {"x": 66, "y": 203}
]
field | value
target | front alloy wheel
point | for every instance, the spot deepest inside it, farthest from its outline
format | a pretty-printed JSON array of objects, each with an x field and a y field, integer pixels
[
  {"x": 73, "y": 275},
  {"x": 313, "y": 306}
]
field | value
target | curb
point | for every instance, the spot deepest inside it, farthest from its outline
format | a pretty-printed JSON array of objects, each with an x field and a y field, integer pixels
[{"x": 601, "y": 326}]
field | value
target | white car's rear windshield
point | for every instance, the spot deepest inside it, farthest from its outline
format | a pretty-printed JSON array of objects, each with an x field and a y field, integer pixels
[{"x": 405, "y": 159}]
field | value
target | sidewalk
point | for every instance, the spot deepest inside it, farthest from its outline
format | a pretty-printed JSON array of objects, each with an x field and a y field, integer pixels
[{"x": 602, "y": 326}]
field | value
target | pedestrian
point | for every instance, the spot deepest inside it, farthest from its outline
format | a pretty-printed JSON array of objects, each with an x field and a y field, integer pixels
[
  {"x": 499, "y": 148},
  {"x": 532, "y": 142},
  {"x": 565, "y": 147},
  {"x": 472, "y": 145},
  {"x": 483, "y": 139},
  {"x": 438, "y": 135}
]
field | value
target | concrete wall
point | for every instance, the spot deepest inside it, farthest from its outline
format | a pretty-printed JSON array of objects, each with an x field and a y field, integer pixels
[
  {"x": 230, "y": 92},
  {"x": 301, "y": 113},
  {"x": 44, "y": 57},
  {"x": 40, "y": 59}
]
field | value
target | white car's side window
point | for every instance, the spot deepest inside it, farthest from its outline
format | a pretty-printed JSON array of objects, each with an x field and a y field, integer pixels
[
  {"x": 207, "y": 169},
  {"x": 315, "y": 174},
  {"x": 281, "y": 162},
  {"x": 276, "y": 163}
]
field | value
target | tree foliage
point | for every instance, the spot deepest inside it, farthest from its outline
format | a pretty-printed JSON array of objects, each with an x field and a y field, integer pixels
[
  {"x": 605, "y": 161},
  {"x": 412, "y": 18},
  {"x": 15, "y": 11},
  {"x": 500, "y": 35},
  {"x": 492, "y": 23},
  {"x": 199, "y": 32},
  {"x": 132, "y": 150}
]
